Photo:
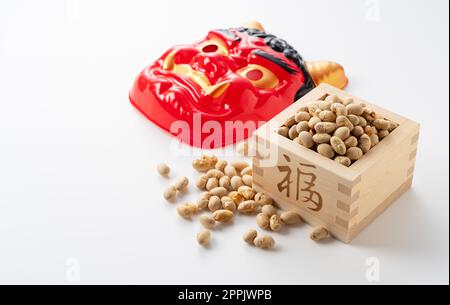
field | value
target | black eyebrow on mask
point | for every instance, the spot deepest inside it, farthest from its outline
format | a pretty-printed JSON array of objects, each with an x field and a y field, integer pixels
[
  {"x": 287, "y": 67},
  {"x": 228, "y": 34}
]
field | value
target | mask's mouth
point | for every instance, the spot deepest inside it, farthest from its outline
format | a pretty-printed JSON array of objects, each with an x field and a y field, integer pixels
[{"x": 214, "y": 91}]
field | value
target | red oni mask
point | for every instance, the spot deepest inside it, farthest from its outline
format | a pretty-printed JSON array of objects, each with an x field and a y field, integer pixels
[{"x": 232, "y": 77}]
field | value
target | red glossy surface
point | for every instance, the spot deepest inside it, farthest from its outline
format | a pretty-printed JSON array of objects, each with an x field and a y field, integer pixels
[
  {"x": 166, "y": 96},
  {"x": 254, "y": 75}
]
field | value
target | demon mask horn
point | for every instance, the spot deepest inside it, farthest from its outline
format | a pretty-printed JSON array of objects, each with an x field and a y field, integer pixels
[
  {"x": 232, "y": 80},
  {"x": 321, "y": 71}
]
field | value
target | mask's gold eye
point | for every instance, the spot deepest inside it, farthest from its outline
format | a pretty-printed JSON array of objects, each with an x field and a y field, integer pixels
[
  {"x": 214, "y": 46},
  {"x": 260, "y": 76}
]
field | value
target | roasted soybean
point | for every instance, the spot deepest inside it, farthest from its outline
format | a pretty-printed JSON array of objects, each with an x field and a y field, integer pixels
[{"x": 342, "y": 130}]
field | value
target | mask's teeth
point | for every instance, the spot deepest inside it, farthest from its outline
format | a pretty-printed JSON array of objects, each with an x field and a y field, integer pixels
[
  {"x": 327, "y": 72},
  {"x": 216, "y": 91},
  {"x": 169, "y": 61}
]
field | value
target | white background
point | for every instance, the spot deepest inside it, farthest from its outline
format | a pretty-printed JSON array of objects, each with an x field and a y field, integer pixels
[{"x": 79, "y": 195}]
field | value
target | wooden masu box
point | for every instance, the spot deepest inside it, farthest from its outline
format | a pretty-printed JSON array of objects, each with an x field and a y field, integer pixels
[{"x": 344, "y": 200}]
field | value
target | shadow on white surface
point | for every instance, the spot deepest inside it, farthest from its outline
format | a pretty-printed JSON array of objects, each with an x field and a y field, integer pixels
[{"x": 397, "y": 229}]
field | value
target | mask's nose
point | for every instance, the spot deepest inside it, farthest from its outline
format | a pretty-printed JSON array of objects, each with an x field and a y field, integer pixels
[{"x": 212, "y": 65}]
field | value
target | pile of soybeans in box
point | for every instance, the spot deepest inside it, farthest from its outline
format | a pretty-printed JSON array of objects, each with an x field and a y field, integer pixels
[{"x": 342, "y": 130}]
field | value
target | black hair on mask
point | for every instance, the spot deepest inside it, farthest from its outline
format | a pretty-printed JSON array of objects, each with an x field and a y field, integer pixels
[{"x": 281, "y": 46}]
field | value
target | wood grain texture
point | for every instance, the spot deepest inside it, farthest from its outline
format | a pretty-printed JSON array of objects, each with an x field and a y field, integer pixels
[{"x": 350, "y": 198}]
